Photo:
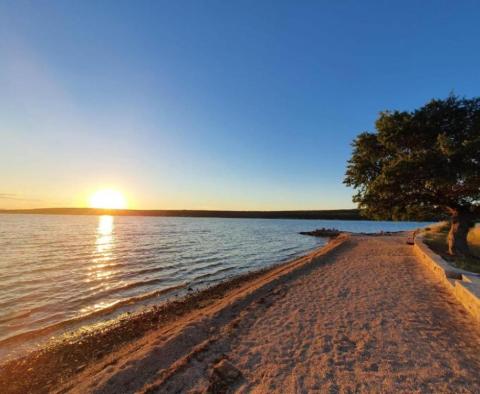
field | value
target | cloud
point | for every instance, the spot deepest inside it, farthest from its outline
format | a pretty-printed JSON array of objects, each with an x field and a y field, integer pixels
[{"x": 17, "y": 197}]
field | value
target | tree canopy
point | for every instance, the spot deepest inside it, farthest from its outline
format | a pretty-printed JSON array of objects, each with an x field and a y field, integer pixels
[{"x": 419, "y": 161}]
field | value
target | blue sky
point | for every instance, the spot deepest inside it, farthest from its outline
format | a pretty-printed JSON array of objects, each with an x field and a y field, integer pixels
[{"x": 213, "y": 104}]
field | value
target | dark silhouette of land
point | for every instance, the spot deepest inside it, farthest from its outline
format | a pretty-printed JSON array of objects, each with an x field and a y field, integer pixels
[{"x": 335, "y": 214}]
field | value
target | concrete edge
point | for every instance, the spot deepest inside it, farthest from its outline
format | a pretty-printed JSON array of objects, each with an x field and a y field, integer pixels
[
  {"x": 471, "y": 278},
  {"x": 464, "y": 285}
]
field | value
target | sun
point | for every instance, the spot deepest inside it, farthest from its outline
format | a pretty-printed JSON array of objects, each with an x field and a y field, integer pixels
[{"x": 107, "y": 199}]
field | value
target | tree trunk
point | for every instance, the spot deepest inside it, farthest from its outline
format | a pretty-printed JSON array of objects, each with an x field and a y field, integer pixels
[{"x": 461, "y": 222}]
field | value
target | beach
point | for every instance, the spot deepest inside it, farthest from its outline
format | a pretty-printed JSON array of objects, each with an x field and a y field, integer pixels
[
  {"x": 218, "y": 198},
  {"x": 361, "y": 314}
]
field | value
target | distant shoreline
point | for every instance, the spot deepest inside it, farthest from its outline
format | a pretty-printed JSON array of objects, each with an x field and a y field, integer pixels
[{"x": 334, "y": 214}]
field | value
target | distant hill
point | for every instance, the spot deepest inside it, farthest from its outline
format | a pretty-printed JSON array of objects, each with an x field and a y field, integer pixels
[{"x": 339, "y": 214}]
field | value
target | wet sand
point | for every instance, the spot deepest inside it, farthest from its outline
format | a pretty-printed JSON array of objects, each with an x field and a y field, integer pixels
[{"x": 360, "y": 315}]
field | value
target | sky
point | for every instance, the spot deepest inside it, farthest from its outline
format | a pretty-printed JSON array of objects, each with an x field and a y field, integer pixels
[{"x": 213, "y": 104}]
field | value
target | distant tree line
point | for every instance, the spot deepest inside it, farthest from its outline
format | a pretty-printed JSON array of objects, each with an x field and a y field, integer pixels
[{"x": 337, "y": 214}]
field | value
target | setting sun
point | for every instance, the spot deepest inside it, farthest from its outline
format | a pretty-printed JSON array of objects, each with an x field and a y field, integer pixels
[{"x": 108, "y": 199}]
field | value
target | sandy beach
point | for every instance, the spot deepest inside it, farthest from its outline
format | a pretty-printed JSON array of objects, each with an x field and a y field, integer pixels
[
  {"x": 203, "y": 197},
  {"x": 360, "y": 315}
]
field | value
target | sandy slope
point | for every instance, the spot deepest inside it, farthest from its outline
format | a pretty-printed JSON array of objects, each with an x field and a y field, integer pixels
[{"x": 363, "y": 317}]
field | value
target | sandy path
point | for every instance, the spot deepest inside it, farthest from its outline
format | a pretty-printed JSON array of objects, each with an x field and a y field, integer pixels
[{"x": 365, "y": 317}]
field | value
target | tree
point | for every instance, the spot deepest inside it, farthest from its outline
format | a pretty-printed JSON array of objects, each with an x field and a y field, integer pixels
[{"x": 422, "y": 161}]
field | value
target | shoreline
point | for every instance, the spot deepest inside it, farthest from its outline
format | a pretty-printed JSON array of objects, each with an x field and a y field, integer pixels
[
  {"x": 137, "y": 307},
  {"x": 56, "y": 361},
  {"x": 362, "y": 314}
]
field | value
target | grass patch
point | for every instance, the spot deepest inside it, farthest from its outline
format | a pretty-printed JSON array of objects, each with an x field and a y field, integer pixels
[{"x": 436, "y": 239}]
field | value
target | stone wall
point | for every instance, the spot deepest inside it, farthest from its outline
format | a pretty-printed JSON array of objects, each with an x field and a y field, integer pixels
[{"x": 464, "y": 285}]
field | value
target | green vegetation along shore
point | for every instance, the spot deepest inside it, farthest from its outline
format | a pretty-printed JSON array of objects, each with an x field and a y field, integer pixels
[{"x": 436, "y": 239}]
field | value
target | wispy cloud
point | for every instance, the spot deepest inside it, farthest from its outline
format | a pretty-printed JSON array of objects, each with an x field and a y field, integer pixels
[{"x": 17, "y": 197}]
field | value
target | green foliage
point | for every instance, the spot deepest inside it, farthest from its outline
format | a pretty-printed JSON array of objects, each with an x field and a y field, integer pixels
[
  {"x": 437, "y": 242},
  {"x": 419, "y": 163}
]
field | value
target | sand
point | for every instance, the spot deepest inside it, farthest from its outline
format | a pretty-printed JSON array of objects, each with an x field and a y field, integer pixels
[{"x": 362, "y": 315}]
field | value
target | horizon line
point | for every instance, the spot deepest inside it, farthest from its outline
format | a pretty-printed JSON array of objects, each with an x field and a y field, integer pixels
[{"x": 179, "y": 210}]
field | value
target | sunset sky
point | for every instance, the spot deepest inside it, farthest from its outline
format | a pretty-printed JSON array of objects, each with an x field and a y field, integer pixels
[{"x": 213, "y": 104}]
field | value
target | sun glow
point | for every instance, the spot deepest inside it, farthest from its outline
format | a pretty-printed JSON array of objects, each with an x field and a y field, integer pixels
[{"x": 107, "y": 199}]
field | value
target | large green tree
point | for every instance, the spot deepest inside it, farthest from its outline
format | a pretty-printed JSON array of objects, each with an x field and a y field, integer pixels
[{"x": 422, "y": 161}]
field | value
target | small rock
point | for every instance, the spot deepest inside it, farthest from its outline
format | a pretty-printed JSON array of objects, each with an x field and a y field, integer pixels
[
  {"x": 223, "y": 376},
  {"x": 322, "y": 232},
  {"x": 226, "y": 370}
]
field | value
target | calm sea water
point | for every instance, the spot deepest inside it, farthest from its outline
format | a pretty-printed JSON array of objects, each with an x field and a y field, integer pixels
[{"x": 56, "y": 271}]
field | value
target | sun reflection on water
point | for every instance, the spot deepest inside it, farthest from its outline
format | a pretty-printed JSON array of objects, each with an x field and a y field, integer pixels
[
  {"x": 104, "y": 241},
  {"x": 98, "y": 271},
  {"x": 105, "y": 225}
]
